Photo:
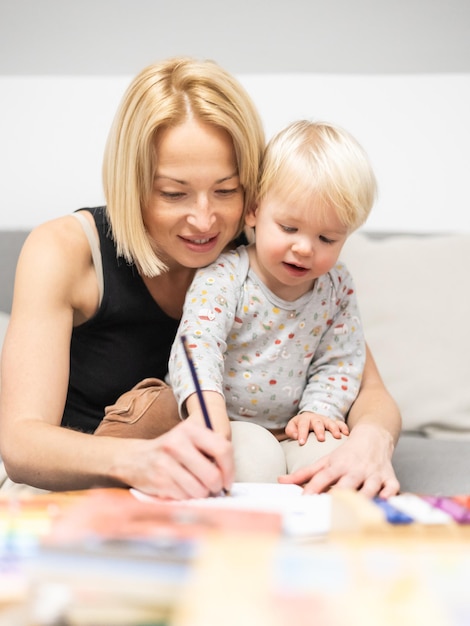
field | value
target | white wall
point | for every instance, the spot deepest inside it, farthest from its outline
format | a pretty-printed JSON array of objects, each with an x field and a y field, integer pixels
[
  {"x": 415, "y": 128},
  {"x": 395, "y": 73}
]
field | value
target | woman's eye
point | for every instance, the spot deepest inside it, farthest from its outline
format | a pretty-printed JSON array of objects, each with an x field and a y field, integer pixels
[
  {"x": 227, "y": 192},
  {"x": 172, "y": 195}
]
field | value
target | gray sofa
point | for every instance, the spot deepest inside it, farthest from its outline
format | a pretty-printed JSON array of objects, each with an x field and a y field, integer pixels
[{"x": 415, "y": 306}]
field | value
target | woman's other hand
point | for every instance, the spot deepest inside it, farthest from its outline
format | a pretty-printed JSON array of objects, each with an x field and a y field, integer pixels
[{"x": 362, "y": 462}]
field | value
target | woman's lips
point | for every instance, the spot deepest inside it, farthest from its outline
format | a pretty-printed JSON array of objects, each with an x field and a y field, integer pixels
[{"x": 200, "y": 244}]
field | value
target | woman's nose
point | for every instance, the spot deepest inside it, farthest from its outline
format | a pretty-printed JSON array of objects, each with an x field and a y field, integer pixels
[{"x": 202, "y": 216}]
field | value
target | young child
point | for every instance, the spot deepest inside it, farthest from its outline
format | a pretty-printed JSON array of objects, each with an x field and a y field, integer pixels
[{"x": 274, "y": 327}]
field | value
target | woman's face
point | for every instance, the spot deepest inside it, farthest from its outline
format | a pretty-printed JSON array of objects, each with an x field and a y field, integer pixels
[{"x": 197, "y": 200}]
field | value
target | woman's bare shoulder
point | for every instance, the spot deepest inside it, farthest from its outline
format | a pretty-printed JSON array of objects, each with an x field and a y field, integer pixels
[
  {"x": 59, "y": 241},
  {"x": 56, "y": 259},
  {"x": 60, "y": 232}
]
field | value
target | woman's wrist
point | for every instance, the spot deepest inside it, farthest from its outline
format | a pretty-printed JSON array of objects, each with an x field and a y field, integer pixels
[{"x": 374, "y": 434}]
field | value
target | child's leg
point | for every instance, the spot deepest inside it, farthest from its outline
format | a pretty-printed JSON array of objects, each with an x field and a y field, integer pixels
[
  {"x": 258, "y": 454},
  {"x": 301, "y": 456}
]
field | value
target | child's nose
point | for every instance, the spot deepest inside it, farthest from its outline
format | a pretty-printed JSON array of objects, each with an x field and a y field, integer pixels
[{"x": 303, "y": 246}]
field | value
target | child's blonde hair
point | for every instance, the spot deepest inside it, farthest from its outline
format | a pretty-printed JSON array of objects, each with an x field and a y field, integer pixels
[
  {"x": 321, "y": 161},
  {"x": 161, "y": 96}
]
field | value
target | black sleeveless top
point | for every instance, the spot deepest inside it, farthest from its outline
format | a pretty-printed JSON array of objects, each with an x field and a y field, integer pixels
[{"x": 128, "y": 339}]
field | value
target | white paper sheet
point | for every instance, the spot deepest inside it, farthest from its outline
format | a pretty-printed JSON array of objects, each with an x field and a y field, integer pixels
[{"x": 303, "y": 516}]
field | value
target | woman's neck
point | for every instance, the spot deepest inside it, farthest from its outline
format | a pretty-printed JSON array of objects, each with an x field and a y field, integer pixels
[{"x": 169, "y": 289}]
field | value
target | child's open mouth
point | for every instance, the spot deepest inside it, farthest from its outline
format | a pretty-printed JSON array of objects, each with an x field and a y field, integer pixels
[{"x": 296, "y": 270}]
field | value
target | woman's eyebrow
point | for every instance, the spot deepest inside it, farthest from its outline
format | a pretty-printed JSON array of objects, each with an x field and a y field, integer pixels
[
  {"x": 175, "y": 180},
  {"x": 222, "y": 180},
  {"x": 184, "y": 182}
]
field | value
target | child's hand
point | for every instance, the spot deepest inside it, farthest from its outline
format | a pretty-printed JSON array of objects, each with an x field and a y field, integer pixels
[{"x": 300, "y": 425}]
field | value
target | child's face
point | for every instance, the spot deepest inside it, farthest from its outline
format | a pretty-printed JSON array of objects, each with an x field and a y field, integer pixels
[{"x": 295, "y": 244}]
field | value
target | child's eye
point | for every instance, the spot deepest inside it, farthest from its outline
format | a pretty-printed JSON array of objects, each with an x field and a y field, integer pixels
[
  {"x": 288, "y": 229},
  {"x": 326, "y": 239}
]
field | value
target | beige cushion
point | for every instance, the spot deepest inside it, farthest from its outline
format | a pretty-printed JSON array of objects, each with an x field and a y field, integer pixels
[{"x": 414, "y": 299}]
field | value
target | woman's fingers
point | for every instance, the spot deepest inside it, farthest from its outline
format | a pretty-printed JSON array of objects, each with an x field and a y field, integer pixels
[{"x": 190, "y": 461}]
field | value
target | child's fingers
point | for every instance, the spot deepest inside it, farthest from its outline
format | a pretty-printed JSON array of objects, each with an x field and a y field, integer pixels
[
  {"x": 291, "y": 430},
  {"x": 342, "y": 427},
  {"x": 303, "y": 431},
  {"x": 337, "y": 428},
  {"x": 318, "y": 428}
]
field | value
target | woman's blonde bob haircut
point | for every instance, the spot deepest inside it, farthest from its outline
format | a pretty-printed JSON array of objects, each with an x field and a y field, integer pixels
[
  {"x": 164, "y": 95},
  {"x": 319, "y": 162}
]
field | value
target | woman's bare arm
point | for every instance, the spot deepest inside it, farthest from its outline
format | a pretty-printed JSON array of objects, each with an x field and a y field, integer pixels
[{"x": 374, "y": 404}]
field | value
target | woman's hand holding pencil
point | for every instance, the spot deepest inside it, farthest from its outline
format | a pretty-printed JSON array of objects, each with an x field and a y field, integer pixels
[{"x": 198, "y": 402}]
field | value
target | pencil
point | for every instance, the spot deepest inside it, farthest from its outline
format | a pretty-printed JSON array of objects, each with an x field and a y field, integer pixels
[{"x": 200, "y": 397}]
